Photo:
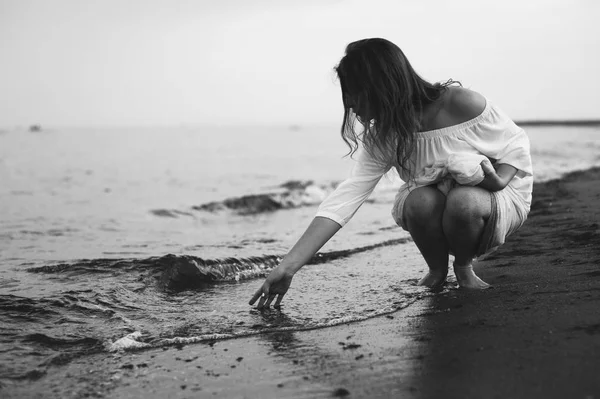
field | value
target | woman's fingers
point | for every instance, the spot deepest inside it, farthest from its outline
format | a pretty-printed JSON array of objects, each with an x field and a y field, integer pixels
[
  {"x": 278, "y": 301},
  {"x": 487, "y": 167},
  {"x": 258, "y": 294},
  {"x": 266, "y": 299},
  {"x": 275, "y": 285},
  {"x": 261, "y": 302},
  {"x": 269, "y": 300},
  {"x": 271, "y": 297}
]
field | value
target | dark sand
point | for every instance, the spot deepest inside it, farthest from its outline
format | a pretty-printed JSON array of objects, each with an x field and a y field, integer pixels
[{"x": 536, "y": 334}]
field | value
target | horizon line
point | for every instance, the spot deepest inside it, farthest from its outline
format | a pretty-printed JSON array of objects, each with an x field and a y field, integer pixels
[{"x": 558, "y": 122}]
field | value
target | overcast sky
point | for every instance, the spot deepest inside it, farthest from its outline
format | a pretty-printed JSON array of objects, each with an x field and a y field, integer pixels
[{"x": 239, "y": 62}]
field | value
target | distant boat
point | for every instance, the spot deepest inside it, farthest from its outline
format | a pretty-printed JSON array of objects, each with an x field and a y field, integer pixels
[{"x": 35, "y": 128}]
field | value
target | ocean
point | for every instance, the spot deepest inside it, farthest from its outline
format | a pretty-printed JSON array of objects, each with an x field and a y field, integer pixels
[{"x": 124, "y": 239}]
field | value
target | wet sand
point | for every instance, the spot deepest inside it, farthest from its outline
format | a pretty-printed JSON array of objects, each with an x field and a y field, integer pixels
[{"x": 536, "y": 334}]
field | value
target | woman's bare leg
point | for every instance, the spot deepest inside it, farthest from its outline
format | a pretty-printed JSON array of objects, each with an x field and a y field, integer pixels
[
  {"x": 423, "y": 211},
  {"x": 467, "y": 210}
]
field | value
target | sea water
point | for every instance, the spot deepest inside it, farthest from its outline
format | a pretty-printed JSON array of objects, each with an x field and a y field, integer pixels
[{"x": 120, "y": 239}]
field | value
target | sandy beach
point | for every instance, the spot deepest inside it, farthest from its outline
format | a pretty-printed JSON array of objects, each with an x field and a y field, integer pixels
[{"x": 535, "y": 334}]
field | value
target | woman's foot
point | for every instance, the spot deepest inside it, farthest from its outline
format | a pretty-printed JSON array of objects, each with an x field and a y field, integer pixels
[
  {"x": 433, "y": 279},
  {"x": 467, "y": 278}
]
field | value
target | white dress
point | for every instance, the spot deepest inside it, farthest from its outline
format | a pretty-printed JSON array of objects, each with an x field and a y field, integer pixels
[{"x": 491, "y": 134}]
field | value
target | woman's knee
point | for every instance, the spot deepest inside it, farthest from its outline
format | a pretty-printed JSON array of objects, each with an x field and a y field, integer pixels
[
  {"x": 467, "y": 203},
  {"x": 422, "y": 205}
]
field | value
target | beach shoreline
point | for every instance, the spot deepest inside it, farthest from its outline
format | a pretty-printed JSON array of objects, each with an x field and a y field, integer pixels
[{"x": 536, "y": 334}]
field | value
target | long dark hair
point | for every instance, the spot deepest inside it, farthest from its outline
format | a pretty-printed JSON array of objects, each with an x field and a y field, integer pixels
[{"x": 383, "y": 93}]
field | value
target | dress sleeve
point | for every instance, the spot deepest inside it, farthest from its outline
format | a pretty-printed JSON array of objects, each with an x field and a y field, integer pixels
[
  {"x": 499, "y": 138},
  {"x": 349, "y": 195}
]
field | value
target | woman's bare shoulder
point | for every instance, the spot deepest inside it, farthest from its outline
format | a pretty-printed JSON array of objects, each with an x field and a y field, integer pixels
[{"x": 464, "y": 104}]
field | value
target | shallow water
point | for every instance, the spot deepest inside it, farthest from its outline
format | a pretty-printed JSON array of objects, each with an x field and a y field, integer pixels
[{"x": 89, "y": 218}]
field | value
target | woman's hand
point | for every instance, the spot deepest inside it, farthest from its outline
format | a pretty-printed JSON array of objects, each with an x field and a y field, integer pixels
[
  {"x": 498, "y": 177},
  {"x": 276, "y": 284},
  {"x": 487, "y": 167}
]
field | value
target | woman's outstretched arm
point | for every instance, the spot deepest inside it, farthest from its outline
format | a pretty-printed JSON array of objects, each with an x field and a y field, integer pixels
[
  {"x": 337, "y": 209},
  {"x": 277, "y": 283}
]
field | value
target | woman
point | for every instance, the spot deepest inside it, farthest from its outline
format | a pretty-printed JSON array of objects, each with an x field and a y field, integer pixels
[{"x": 466, "y": 167}]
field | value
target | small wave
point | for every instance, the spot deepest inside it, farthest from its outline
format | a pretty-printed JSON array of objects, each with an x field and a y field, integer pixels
[
  {"x": 180, "y": 272},
  {"x": 295, "y": 194},
  {"x": 183, "y": 272},
  {"x": 174, "y": 272}
]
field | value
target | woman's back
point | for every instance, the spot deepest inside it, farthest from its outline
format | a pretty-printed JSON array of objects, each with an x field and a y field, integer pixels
[{"x": 456, "y": 105}]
